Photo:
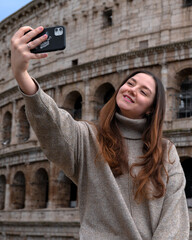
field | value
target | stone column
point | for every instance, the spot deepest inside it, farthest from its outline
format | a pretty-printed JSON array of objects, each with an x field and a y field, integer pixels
[
  {"x": 50, "y": 203},
  {"x": 86, "y": 106},
  {"x": 164, "y": 75},
  {"x": 14, "y": 130},
  {"x": 7, "y": 189},
  {"x": 28, "y": 204},
  {"x": 164, "y": 78}
]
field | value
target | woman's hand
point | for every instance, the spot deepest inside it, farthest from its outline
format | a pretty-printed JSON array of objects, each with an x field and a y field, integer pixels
[{"x": 21, "y": 55}]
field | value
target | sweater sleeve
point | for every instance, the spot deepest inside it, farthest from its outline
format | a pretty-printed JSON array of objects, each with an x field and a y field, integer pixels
[
  {"x": 56, "y": 130},
  {"x": 174, "y": 220}
]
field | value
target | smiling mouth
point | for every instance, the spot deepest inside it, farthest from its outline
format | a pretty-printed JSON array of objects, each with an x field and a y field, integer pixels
[{"x": 129, "y": 99}]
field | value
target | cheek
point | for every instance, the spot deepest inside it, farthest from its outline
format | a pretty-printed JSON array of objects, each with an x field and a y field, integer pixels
[
  {"x": 149, "y": 104},
  {"x": 119, "y": 94},
  {"x": 121, "y": 91},
  {"x": 117, "y": 98},
  {"x": 123, "y": 88}
]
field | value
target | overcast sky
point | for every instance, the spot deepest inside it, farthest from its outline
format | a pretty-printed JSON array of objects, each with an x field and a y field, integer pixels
[{"x": 8, "y": 7}]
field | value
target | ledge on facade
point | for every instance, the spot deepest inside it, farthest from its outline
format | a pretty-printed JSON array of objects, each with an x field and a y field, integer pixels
[
  {"x": 21, "y": 155},
  {"x": 182, "y": 131},
  {"x": 19, "y": 147},
  {"x": 108, "y": 60},
  {"x": 180, "y": 137},
  {"x": 125, "y": 56},
  {"x": 51, "y": 77},
  {"x": 46, "y": 217},
  {"x": 64, "y": 216}
]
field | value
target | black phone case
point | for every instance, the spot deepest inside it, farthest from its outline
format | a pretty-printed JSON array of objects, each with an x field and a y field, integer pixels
[{"x": 56, "y": 40}]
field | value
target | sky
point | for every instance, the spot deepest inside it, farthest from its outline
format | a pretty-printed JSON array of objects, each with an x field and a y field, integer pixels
[{"x": 8, "y": 7}]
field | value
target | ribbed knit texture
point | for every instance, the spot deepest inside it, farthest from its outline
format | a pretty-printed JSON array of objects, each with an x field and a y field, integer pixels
[{"x": 107, "y": 207}]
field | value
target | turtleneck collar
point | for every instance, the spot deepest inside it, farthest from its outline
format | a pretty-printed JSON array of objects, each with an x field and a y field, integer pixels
[{"x": 130, "y": 128}]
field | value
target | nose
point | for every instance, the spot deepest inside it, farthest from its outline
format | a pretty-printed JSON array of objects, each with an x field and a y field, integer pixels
[{"x": 133, "y": 91}]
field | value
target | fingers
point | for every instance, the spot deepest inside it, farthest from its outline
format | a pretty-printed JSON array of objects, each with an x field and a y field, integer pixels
[
  {"x": 25, "y": 34},
  {"x": 26, "y": 39},
  {"x": 21, "y": 41},
  {"x": 20, "y": 48},
  {"x": 38, "y": 55},
  {"x": 31, "y": 34},
  {"x": 33, "y": 44},
  {"x": 21, "y": 32}
]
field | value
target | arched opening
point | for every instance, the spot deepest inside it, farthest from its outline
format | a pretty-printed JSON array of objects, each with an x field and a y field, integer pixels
[
  {"x": 184, "y": 97},
  {"x": 187, "y": 167},
  {"x": 24, "y": 127},
  {"x": 2, "y": 191},
  {"x": 73, "y": 195},
  {"x": 61, "y": 193},
  {"x": 40, "y": 189},
  {"x": 102, "y": 96},
  {"x": 73, "y": 104},
  {"x": 187, "y": 3},
  {"x": 18, "y": 191},
  {"x": 65, "y": 193},
  {"x": 7, "y": 123}
]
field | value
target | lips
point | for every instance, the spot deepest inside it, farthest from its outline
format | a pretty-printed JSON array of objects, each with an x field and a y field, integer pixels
[{"x": 128, "y": 98}]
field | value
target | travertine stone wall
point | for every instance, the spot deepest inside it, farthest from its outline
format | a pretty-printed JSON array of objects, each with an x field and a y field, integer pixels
[
  {"x": 152, "y": 35},
  {"x": 157, "y": 22}
]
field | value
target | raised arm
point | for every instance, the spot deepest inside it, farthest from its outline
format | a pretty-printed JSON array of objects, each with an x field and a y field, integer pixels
[
  {"x": 63, "y": 140},
  {"x": 21, "y": 55}
]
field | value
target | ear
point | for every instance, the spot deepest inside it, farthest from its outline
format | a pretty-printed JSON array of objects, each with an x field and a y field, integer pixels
[{"x": 148, "y": 112}]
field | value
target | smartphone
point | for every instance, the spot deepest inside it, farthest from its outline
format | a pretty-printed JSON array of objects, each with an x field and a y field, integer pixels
[{"x": 56, "y": 40}]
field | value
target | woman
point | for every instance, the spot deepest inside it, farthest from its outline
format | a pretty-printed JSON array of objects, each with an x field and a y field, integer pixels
[{"x": 130, "y": 180}]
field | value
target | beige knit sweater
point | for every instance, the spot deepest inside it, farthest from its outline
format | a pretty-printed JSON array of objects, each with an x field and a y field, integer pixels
[{"x": 107, "y": 207}]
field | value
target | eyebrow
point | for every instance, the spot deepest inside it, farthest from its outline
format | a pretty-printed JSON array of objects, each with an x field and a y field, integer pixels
[{"x": 142, "y": 86}]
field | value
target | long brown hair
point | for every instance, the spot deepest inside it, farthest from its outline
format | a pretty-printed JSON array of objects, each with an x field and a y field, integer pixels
[{"x": 114, "y": 152}]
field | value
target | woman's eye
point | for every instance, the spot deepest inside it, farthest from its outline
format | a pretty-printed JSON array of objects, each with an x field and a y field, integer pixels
[
  {"x": 143, "y": 92},
  {"x": 130, "y": 83}
]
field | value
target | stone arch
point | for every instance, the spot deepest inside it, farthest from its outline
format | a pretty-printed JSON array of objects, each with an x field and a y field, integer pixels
[
  {"x": 40, "y": 189},
  {"x": 65, "y": 194},
  {"x": 18, "y": 191},
  {"x": 187, "y": 168},
  {"x": 2, "y": 191},
  {"x": 73, "y": 195},
  {"x": 184, "y": 96},
  {"x": 23, "y": 126},
  {"x": 187, "y": 3},
  {"x": 102, "y": 95},
  {"x": 7, "y": 125},
  {"x": 61, "y": 196},
  {"x": 73, "y": 104}
]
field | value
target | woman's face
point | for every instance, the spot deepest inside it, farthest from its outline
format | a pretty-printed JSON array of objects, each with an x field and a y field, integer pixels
[{"x": 136, "y": 96}]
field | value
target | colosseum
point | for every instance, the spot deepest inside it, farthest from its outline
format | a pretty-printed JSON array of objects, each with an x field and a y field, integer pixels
[{"x": 105, "y": 41}]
